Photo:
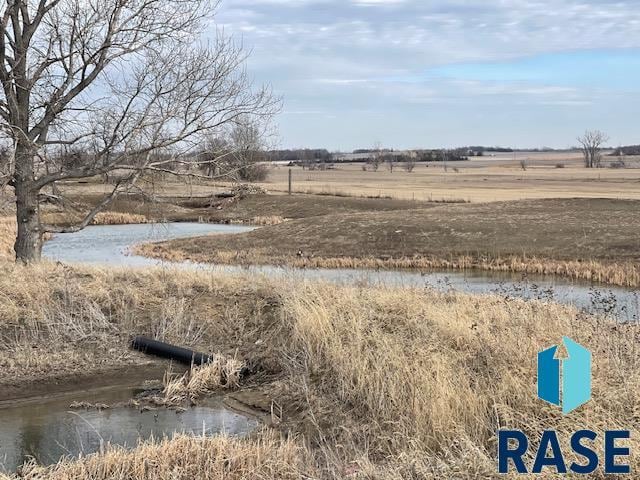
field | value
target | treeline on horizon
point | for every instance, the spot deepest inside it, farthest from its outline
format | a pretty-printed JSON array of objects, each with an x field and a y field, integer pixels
[
  {"x": 626, "y": 150},
  {"x": 307, "y": 156},
  {"x": 323, "y": 153}
]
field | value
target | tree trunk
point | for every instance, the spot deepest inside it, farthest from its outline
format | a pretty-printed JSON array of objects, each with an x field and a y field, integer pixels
[{"x": 28, "y": 246}]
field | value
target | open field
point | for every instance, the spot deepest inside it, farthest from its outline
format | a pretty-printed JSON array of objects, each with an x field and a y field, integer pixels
[
  {"x": 591, "y": 239},
  {"x": 480, "y": 179},
  {"x": 367, "y": 382},
  {"x": 358, "y": 382}
]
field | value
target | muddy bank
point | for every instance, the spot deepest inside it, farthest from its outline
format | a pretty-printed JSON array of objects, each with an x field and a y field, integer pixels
[{"x": 21, "y": 392}]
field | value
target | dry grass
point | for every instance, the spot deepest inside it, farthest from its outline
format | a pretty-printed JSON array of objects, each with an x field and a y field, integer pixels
[
  {"x": 479, "y": 180},
  {"x": 582, "y": 239},
  {"x": 373, "y": 383},
  {"x": 625, "y": 274},
  {"x": 376, "y": 383},
  {"x": 188, "y": 458},
  {"x": 435, "y": 375},
  {"x": 221, "y": 373},
  {"x": 102, "y": 218},
  {"x": 267, "y": 220},
  {"x": 72, "y": 322},
  {"x": 282, "y": 206},
  {"x": 118, "y": 218}
]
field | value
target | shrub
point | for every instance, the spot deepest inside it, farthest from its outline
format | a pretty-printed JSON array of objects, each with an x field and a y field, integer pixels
[
  {"x": 618, "y": 164},
  {"x": 256, "y": 172}
]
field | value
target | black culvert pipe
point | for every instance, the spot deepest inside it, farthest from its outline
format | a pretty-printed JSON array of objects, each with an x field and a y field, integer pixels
[{"x": 165, "y": 350}]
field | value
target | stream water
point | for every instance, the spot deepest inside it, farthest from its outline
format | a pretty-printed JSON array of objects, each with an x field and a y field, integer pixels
[
  {"x": 109, "y": 245},
  {"x": 48, "y": 429}
]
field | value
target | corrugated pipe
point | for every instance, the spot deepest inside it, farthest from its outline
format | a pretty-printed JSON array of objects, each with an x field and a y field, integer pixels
[{"x": 165, "y": 350}]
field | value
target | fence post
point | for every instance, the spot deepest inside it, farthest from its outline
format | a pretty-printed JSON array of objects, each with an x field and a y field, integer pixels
[{"x": 290, "y": 175}]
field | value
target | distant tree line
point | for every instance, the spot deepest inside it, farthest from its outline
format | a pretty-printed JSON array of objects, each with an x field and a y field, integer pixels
[
  {"x": 626, "y": 150},
  {"x": 293, "y": 155},
  {"x": 480, "y": 149},
  {"x": 388, "y": 155}
]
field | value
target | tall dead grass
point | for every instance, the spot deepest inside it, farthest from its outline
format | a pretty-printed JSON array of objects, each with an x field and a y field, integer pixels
[
  {"x": 71, "y": 321},
  {"x": 222, "y": 372},
  {"x": 267, "y": 456},
  {"x": 102, "y": 218},
  {"x": 375, "y": 382},
  {"x": 118, "y": 218},
  {"x": 622, "y": 274},
  {"x": 267, "y": 220},
  {"x": 421, "y": 381}
]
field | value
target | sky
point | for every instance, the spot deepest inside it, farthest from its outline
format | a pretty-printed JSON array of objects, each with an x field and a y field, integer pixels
[{"x": 432, "y": 73}]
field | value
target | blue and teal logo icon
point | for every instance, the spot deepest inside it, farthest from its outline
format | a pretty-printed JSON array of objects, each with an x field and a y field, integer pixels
[{"x": 565, "y": 380}]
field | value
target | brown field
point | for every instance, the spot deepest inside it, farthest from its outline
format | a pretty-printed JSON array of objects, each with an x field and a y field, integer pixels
[
  {"x": 477, "y": 180},
  {"x": 590, "y": 239},
  {"x": 480, "y": 179}
]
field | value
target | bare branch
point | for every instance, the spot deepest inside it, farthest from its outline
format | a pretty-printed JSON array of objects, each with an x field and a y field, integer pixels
[{"x": 91, "y": 87}]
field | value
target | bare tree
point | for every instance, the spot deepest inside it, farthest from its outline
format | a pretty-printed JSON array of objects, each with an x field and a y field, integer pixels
[
  {"x": 444, "y": 155},
  {"x": 217, "y": 150},
  {"x": 591, "y": 143},
  {"x": 239, "y": 155},
  {"x": 390, "y": 159},
  {"x": 410, "y": 163},
  {"x": 247, "y": 140},
  {"x": 127, "y": 82},
  {"x": 376, "y": 156}
]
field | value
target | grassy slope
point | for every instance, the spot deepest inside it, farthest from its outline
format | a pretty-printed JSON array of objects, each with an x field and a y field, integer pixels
[
  {"x": 301, "y": 206},
  {"x": 62, "y": 322},
  {"x": 130, "y": 209},
  {"x": 391, "y": 383},
  {"x": 592, "y": 239}
]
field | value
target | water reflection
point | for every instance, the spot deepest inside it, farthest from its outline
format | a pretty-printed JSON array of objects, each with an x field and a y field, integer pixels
[
  {"x": 109, "y": 244},
  {"x": 49, "y": 430}
]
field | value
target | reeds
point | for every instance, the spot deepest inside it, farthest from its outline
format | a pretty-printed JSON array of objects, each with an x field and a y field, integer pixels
[
  {"x": 117, "y": 218},
  {"x": 221, "y": 373},
  {"x": 267, "y": 220},
  {"x": 623, "y": 274},
  {"x": 102, "y": 218},
  {"x": 267, "y": 456}
]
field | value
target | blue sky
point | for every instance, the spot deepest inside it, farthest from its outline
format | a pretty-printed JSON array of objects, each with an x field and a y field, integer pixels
[{"x": 417, "y": 73}]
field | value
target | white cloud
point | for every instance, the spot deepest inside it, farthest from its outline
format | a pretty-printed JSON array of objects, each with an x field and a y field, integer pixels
[{"x": 336, "y": 56}]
